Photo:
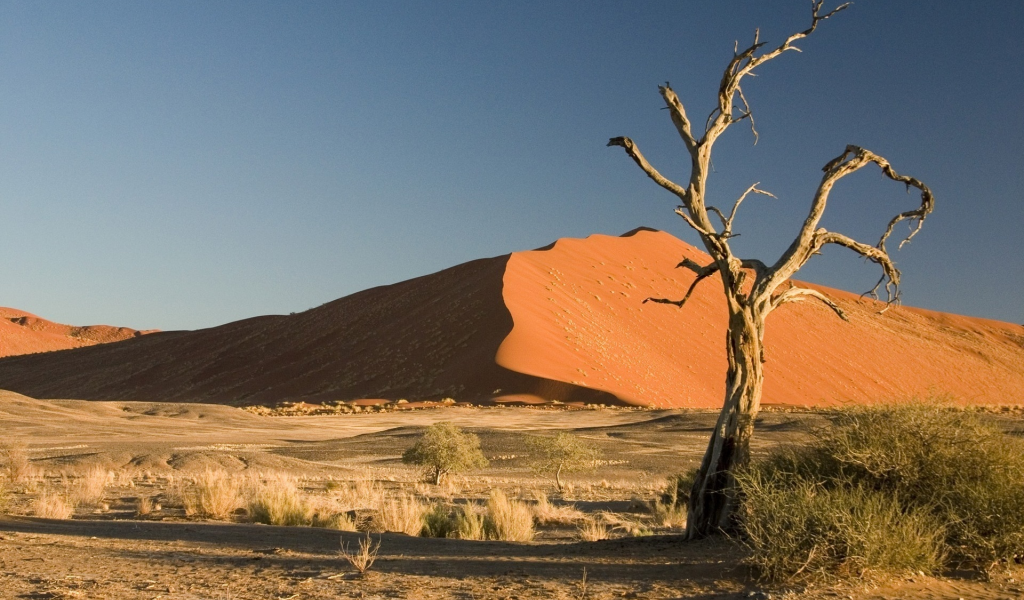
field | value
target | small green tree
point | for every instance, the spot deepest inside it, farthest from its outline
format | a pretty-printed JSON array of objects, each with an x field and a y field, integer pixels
[
  {"x": 445, "y": 448},
  {"x": 564, "y": 452}
]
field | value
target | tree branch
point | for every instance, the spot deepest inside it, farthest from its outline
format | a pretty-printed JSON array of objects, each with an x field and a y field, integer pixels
[
  {"x": 743, "y": 64},
  {"x": 702, "y": 274},
  {"x": 679, "y": 118},
  {"x": 810, "y": 239},
  {"x": 890, "y": 274},
  {"x": 796, "y": 294},
  {"x": 653, "y": 173}
]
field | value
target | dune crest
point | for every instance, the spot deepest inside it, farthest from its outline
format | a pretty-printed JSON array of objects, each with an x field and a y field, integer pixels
[
  {"x": 579, "y": 317},
  {"x": 25, "y": 333}
]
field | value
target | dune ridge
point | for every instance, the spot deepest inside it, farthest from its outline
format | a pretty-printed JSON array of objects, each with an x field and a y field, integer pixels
[
  {"x": 563, "y": 323},
  {"x": 22, "y": 332}
]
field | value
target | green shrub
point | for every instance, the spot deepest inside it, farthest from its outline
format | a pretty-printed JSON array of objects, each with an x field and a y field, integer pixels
[
  {"x": 439, "y": 521},
  {"x": 563, "y": 453},
  {"x": 806, "y": 529},
  {"x": 443, "y": 449},
  {"x": 913, "y": 471}
]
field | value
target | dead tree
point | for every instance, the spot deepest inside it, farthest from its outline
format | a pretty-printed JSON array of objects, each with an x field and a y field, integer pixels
[{"x": 752, "y": 288}]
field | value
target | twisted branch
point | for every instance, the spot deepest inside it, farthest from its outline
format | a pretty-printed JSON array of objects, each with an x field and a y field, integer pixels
[
  {"x": 796, "y": 294},
  {"x": 810, "y": 239},
  {"x": 653, "y": 173}
]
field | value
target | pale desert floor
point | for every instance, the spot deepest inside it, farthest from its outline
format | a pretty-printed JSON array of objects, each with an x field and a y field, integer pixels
[{"x": 107, "y": 552}]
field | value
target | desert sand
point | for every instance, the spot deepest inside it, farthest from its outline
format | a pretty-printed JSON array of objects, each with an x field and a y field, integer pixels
[
  {"x": 564, "y": 323},
  {"x": 108, "y": 552}
]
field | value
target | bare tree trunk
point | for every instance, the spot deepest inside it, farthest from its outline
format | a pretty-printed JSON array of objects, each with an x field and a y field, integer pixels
[
  {"x": 713, "y": 497},
  {"x": 558, "y": 479}
]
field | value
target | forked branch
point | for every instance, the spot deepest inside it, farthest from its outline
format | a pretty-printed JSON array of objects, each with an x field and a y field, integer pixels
[
  {"x": 727, "y": 221},
  {"x": 811, "y": 239},
  {"x": 742, "y": 64}
]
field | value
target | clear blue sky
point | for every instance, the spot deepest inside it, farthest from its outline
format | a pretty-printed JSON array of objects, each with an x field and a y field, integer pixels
[{"x": 184, "y": 164}]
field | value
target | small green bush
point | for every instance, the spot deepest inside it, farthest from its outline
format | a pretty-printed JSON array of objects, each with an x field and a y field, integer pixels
[
  {"x": 443, "y": 449},
  {"x": 858, "y": 496},
  {"x": 439, "y": 521},
  {"x": 563, "y": 453}
]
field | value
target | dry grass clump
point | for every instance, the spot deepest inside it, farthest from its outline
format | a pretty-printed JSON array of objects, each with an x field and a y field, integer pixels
[
  {"x": 212, "y": 494},
  {"x": 401, "y": 514},
  {"x": 546, "y": 513},
  {"x": 90, "y": 487},
  {"x": 592, "y": 530},
  {"x": 359, "y": 495},
  {"x": 891, "y": 488},
  {"x": 144, "y": 506},
  {"x": 15, "y": 462},
  {"x": 508, "y": 520},
  {"x": 278, "y": 501},
  {"x": 53, "y": 504},
  {"x": 670, "y": 509},
  {"x": 501, "y": 519}
]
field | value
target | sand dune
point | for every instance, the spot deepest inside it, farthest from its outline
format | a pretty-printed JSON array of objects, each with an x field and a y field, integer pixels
[
  {"x": 562, "y": 323},
  {"x": 24, "y": 333}
]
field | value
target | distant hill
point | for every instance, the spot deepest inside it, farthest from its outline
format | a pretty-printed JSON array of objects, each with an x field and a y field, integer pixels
[
  {"x": 564, "y": 323},
  {"x": 24, "y": 333}
]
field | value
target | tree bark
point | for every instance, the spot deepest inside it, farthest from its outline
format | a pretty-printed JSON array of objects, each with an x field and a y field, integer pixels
[
  {"x": 558, "y": 480},
  {"x": 713, "y": 497}
]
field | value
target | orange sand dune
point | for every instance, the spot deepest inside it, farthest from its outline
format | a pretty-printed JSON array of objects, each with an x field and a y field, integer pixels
[
  {"x": 579, "y": 318},
  {"x": 24, "y": 333},
  {"x": 563, "y": 323}
]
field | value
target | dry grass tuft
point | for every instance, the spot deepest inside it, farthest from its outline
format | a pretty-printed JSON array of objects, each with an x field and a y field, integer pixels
[
  {"x": 15, "y": 461},
  {"x": 401, "y": 514},
  {"x": 89, "y": 488},
  {"x": 51, "y": 504},
  {"x": 668, "y": 515},
  {"x": 508, "y": 520},
  {"x": 278, "y": 501},
  {"x": 592, "y": 530},
  {"x": 143, "y": 506},
  {"x": 546, "y": 513},
  {"x": 360, "y": 495},
  {"x": 212, "y": 494}
]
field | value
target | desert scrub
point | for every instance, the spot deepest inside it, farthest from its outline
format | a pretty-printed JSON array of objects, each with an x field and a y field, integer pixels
[
  {"x": 592, "y": 529},
  {"x": 902, "y": 487},
  {"x": 546, "y": 513}
]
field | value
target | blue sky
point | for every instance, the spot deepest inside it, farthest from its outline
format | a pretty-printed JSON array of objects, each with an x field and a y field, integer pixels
[{"x": 178, "y": 165}]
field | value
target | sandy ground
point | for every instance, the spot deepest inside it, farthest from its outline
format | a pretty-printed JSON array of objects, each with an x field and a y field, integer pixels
[{"x": 114, "y": 555}]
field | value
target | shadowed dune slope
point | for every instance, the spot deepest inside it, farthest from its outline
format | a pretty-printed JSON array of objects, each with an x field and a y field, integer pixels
[
  {"x": 429, "y": 337},
  {"x": 562, "y": 323},
  {"x": 24, "y": 333}
]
